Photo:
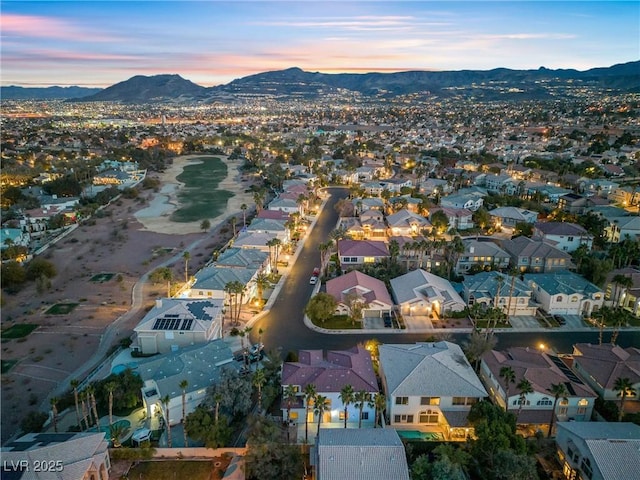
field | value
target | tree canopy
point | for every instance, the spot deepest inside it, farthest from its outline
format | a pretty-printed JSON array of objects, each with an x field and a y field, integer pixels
[{"x": 321, "y": 307}]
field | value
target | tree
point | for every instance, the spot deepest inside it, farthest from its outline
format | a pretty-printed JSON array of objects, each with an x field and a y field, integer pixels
[
  {"x": 244, "y": 207},
  {"x": 39, "y": 267},
  {"x": 482, "y": 218},
  {"x": 235, "y": 290},
  {"x": 202, "y": 426},
  {"x": 74, "y": 385},
  {"x": 183, "y": 386},
  {"x": 91, "y": 391},
  {"x": 186, "y": 255},
  {"x": 347, "y": 397},
  {"x": 509, "y": 377},
  {"x": 361, "y": 398},
  {"x": 355, "y": 303},
  {"x": 110, "y": 388},
  {"x": 205, "y": 225},
  {"x": 557, "y": 390},
  {"x": 320, "y": 406},
  {"x": 33, "y": 422},
  {"x": 525, "y": 388},
  {"x": 625, "y": 389},
  {"x": 12, "y": 276},
  {"x": 258, "y": 380},
  {"x": 233, "y": 221},
  {"x": 289, "y": 395},
  {"x": 54, "y": 413},
  {"x": 380, "y": 403},
  {"x": 274, "y": 252},
  {"x": 309, "y": 397},
  {"x": 440, "y": 221},
  {"x": 321, "y": 308},
  {"x": 162, "y": 274},
  {"x": 522, "y": 229},
  {"x": 262, "y": 283},
  {"x": 165, "y": 402},
  {"x": 477, "y": 345},
  {"x": 86, "y": 414},
  {"x": 235, "y": 392}
]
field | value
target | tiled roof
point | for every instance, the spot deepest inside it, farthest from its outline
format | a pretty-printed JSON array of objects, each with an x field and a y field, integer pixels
[
  {"x": 362, "y": 248},
  {"x": 428, "y": 369},
  {"x": 215, "y": 278},
  {"x": 406, "y": 218},
  {"x": 359, "y": 454},
  {"x": 482, "y": 249},
  {"x": 368, "y": 287},
  {"x": 560, "y": 228},
  {"x": 605, "y": 363},
  {"x": 241, "y": 257},
  {"x": 413, "y": 286},
  {"x": 202, "y": 312},
  {"x": 525, "y": 247},
  {"x": 485, "y": 284},
  {"x": 562, "y": 282},
  {"x": 345, "y": 367},
  {"x": 515, "y": 213}
]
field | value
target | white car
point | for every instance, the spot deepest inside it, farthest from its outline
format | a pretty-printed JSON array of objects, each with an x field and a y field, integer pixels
[{"x": 313, "y": 280}]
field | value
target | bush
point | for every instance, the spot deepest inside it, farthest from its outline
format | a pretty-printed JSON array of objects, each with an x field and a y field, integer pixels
[{"x": 33, "y": 422}]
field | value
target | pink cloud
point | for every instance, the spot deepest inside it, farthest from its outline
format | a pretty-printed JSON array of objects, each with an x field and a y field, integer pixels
[{"x": 44, "y": 27}]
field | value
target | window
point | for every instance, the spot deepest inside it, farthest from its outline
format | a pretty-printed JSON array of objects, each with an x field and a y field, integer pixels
[
  {"x": 545, "y": 401},
  {"x": 402, "y": 400},
  {"x": 341, "y": 415},
  {"x": 570, "y": 239},
  {"x": 574, "y": 299},
  {"x": 429, "y": 416},
  {"x": 293, "y": 416},
  {"x": 559, "y": 298},
  {"x": 364, "y": 416},
  {"x": 429, "y": 400},
  {"x": 464, "y": 400},
  {"x": 403, "y": 418},
  {"x": 586, "y": 468},
  {"x": 369, "y": 259},
  {"x": 582, "y": 410},
  {"x": 562, "y": 411}
]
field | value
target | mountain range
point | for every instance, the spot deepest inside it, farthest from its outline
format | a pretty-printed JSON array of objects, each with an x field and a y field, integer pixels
[{"x": 500, "y": 83}]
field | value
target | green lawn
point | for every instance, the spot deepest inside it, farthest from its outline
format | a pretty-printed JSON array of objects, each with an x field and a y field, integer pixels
[
  {"x": 61, "y": 309},
  {"x": 340, "y": 322},
  {"x": 200, "y": 198},
  {"x": 185, "y": 469},
  {"x": 102, "y": 277},
  {"x": 19, "y": 331},
  {"x": 7, "y": 365}
]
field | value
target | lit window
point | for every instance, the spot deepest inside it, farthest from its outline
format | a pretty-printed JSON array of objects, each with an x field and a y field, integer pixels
[
  {"x": 402, "y": 400},
  {"x": 369, "y": 259}
]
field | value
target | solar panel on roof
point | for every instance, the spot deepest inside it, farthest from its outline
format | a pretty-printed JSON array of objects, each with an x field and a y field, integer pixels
[
  {"x": 186, "y": 324},
  {"x": 156, "y": 324}
]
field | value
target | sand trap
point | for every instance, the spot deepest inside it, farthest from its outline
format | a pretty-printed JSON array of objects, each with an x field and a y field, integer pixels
[{"x": 156, "y": 216}]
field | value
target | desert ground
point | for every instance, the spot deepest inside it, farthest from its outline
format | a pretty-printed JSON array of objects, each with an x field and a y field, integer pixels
[{"x": 131, "y": 239}]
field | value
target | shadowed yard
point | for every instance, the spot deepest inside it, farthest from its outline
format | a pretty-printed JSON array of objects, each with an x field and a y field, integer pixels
[{"x": 170, "y": 470}]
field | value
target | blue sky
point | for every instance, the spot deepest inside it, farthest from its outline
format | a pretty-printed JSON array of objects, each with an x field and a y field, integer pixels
[{"x": 96, "y": 43}]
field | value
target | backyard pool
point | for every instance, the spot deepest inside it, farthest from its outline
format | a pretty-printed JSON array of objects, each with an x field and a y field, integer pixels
[
  {"x": 125, "y": 424},
  {"x": 421, "y": 436}
]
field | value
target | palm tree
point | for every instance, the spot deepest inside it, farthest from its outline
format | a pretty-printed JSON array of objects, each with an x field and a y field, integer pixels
[
  {"x": 509, "y": 377},
  {"x": 92, "y": 398},
  {"x": 233, "y": 220},
  {"x": 217, "y": 398},
  {"x": 309, "y": 396},
  {"x": 54, "y": 413},
  {"x": 86, "y": 415},
  {"x": 289, "y": 395},
  {"x": 525, "y": 388},
  {"x": 380, "y": 403},
  {"x": 183, "y": 386},
  {"x": 262, "y": 283},
  {"x": 321, "y": 405},
  {"x": 346, "y": 396},
  {"x": 244, "y": 207},
  {"x": 625, "y": 389},
  {"x": 74, "y": 384},
  {"x": 111, "y": 386},
  {"x": 259, "y": 379},
  {"x": 186, "y": 255},
  {"x": 165, "y": 401},
  {"x": 557, "y": 390},
  {"x": 360, "y": 399},
  {"x": 274, "y": 252}
]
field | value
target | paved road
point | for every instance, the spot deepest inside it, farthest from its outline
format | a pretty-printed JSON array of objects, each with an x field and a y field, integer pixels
[{"x": 284, "y": 328}]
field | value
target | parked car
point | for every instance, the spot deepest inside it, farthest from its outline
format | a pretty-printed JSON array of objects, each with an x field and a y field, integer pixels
[
  {"x": 256, "y": 348},
  {"x": 316, "y": 272},
  {"x": 313, "y": 280},
  {"x": 560, "y": 319},
  {"x": 387, "y": 320}
]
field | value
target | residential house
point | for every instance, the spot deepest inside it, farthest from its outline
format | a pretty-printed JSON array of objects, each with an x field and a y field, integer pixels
[
  {"x": 601, "y": 365},
  {"x": 422, "y": 293},
  {"x": 459, "y": 218},
  {"x": 620, "y": 228},
  {"x": 235, "y": 257},
  {"x": 542, "y": 370},
  {"x": 599, "y": 186},
  {"x": 598, "y": 450},
  {"x": 405, "y": 201},
  {"x": 481, "y": 254},
  {"x": 210, "y": 282},
  {"x": 407, "y": 223},
  {"x": 562, "y": 235},
  {"x": 623, "y": 296},
  {"x": 510, "y": 216},
  {"x": 352, "y": 253},
  {"x": 625, "y": 196},
  {"x": 573, "y": 203},
  {"x": 565, "y": 293},
  {"x": 373, "y": 225},
  {"x": 355, "y": 286},
  {"x": 267, "y": 225},
  {"x": 430, "y": 387},
  {"x": 287, "y": 205},
  {"x": 435, "y": 186},
  {"x": 470, "y": 201},
  {"x": 201, "y": 366},
  {"x": 551, "y": 193},
  {"x": 370, "y": 203},
  {"x": 254, "y": 240},
  {"x": 60, "y": 456},
  {"x": 503, "y": 184},
  {"x": 536, "y": 256},
  {"x": 359, "y": 454},
  {"x": 10, "y": 237},
  {"x": 273, "y": 214},
  {"x": 496, "y": 290},
  {"x": 396, "y": 184},
  {"x": 330, "y": 375}
]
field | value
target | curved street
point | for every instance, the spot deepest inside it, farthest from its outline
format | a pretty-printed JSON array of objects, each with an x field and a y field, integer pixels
[{"x": 284, "y": 329}]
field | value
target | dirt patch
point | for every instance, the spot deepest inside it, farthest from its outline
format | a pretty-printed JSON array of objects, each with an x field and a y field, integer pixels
[{"x": 116, "y": 243}]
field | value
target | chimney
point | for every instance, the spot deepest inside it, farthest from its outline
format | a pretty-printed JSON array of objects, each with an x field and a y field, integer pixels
[
  {"x": 158, "y": 303},
  {"x": 472, "y": 249}
]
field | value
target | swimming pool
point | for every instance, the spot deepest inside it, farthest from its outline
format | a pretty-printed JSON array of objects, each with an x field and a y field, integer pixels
[
  {"x": 124, "y": 423},
  {"x": 422, "y": 436}
]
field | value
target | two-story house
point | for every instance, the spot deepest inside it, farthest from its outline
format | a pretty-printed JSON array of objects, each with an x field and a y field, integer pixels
[
  {"x": 352, "y": 253},
  {"x": 355, "y": 286},
  {"x": 536, "y": 256},
  {"x": 496, "y": 290},
  {"x": 565, "y": 293},
  {"x": 419, "y": 293},
  {"x": 563, "y": 235},
  {"x": 510, "y": 216},
  {"x": 430, "y": 388},
  {"x": 481, "y": 254},
  {"x": 407, "y": 223}
]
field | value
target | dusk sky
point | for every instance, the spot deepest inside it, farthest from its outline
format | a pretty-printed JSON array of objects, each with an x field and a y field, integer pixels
[{"x": 94, "y": 43}]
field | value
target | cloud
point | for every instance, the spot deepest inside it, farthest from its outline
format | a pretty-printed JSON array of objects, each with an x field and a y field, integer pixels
[
  {"x": 529, "y": 36},
  {"x": 35, "y": 26}
]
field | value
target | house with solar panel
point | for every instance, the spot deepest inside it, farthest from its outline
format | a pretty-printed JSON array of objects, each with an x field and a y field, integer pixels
[
  {"x": 542, "y": 370},
  {"x": 175, "y": 323}
]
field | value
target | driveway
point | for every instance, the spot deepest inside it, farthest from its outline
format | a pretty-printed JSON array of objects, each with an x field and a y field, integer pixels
[{"x": 524, "y": 321}]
